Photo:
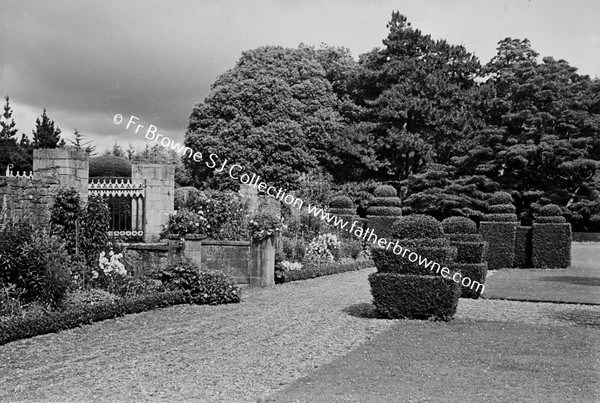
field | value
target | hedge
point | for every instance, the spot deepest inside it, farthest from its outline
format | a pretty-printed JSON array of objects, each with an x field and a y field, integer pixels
[
  {"x": 499, "y": 218},
  {"x": 50, "y": 322},
  {"x": 415, "y": 297},
  {"x": 386, "y": 202},
  {"x": 551, "y": 245},
  {"x": 462, "y": 225},
  {"x": 500, "y": 198},
  {"x": 474, "y": 271},
  {"x": 417, "y": 226},
  {"x": 382, "y": 226},
  {"x": 308, "y": 272},
  {"x": 385, "y": 191},
  {"x": 523, "y": 248},
  {"x": 470, "y": 252},
  {"x": 384, "y": 211},
  {"x": 550, "y": 220},
  {"x": 465, "y": 237},
  {"x": 387, "y": 261},
  {"x": 550, "y": 210},
  {"x": 341, "y": 202},
  {"x": 500, "y": 237},
  {"x": 502, "y": 209}
]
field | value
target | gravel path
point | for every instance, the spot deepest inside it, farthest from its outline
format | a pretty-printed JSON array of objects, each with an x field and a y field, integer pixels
[{"x": 236, "y": 352}]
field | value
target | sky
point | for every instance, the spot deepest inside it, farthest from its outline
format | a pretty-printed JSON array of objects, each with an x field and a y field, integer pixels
[{"x": 85, "y": 61}]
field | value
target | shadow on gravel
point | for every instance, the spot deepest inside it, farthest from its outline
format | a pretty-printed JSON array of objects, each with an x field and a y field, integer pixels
[
  {"x": 574, "y": 280},
  {"x": 364, "y": 310}
]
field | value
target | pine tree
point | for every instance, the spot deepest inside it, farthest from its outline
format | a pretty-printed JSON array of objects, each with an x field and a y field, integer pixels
[
  {"x": 45, "y": 135},
  {"x": 7, "y": 123},
  {"x": 80, "y": 144}
]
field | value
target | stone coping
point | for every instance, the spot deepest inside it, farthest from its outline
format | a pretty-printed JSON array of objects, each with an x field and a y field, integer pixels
[
  {"x": 156, "y": 246},
  {"x": 202, "y": 238}
]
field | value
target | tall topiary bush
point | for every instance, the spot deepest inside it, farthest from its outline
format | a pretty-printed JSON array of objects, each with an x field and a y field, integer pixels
[
  {"x": 551, "y": 239},
  {"x": 498, "y": 229},
  {"x": 470, "y": 252},
  {"x": 384, "y": 210},
  {"x": 402, "y": 288}
]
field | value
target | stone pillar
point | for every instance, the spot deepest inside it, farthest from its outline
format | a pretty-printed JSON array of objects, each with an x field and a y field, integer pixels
[
  {"x": 159, "y": 196},
  {"x": 68, "y": 166},
  {"x": 262, "y": 264}
]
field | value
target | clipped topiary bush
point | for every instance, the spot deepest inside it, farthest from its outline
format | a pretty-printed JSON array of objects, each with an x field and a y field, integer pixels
[
  {"x": 551, "y": 241},
  {"x": 499, "y": 231},
  {"x": 417, "y": 226},
  {"x": 502, "y": 209},
  {"x": 341, "y": 202},
  {"x": 475, "y": 272},
  {"x": 383, "y": 210},
  {"x": 408, "y": 282},
  {"x": 385, "y": 191},
  {"x": 523, "y": 248},
  {"x": 459, "y": 225},
  {"x": 109, "y": 166}
]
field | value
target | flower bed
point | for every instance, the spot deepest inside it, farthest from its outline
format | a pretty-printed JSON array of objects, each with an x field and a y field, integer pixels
[{"x": 324, "y": 270}]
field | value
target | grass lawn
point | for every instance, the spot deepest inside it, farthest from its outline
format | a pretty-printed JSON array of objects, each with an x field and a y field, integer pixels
[
  {"x": 461, "y": 361},
  {"x": 580, "y": 283}
]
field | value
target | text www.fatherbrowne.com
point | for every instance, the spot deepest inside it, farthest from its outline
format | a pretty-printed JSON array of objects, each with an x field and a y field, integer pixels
[{"x": 237, "y": 172}]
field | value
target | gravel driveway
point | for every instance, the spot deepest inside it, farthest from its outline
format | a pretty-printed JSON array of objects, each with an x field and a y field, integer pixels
[{"x": 237, "y": 352}]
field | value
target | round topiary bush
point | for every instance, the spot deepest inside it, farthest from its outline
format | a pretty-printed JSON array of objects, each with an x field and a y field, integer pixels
[
  {"x": 502, "y": 209},
  {"x": 500, "y": 198},
  {"x": 341, "y": 202},
  {"x": 550, "y": 210},
  {"x": 384, "y": 211},
  {"x": 550, "y": 220},
  {"x": 417, "y": 226},
  {"x": 109, "y": 166},
  {"x": 386, "y": 191},
  {"x": 386, "y": 202},
  {"x": 459, "y": 225}
]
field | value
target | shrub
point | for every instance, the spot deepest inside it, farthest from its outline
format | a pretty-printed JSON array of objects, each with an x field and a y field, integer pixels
[
  {"x": 381, "y": 226},
  {"x": 550, "y": 220},
  {"x": 461, "y": 225},
  {"x": 500, "y": 237},
  {"x": 386, "y": 202},
  {"x": 185, "y": 222},
  {"x": 470, "y": 252},
  {"x": 475, "y": 272},
  {"x": 500, "y": 218},
  {"x": 17, "y": 328},
  {"x": 341, "y": 202},
  {"x": 293, "y": 249},
  {"x": 93, "y": 296},
  {"x": 551, "y": 245},
  {"x": 264, "y": 225},
  {"x": 465, "y": 237},
  {"x": 384, "y": 211},
  {"x": 550, "y": 210},
  {"x": 202, "y": 286},
  {"x": 414, "y": 296},
  {"x": 323, "y": 248},
  {"x": 387, "y": 261},
  {"x": 523, "y": 247},
  {"x": 183, "y": 194},
  {"x": 350, "y": 249},
  {"x": 417, "y": 226},
  {"x": 500, "y": 198},
  {"x": 502, "y": 209},
  {"x": 385, "y": 191},
  {"x": 312, "y": 271},
  {"x": 109, "y": 166},
  {"x": 94, "y": 229}
]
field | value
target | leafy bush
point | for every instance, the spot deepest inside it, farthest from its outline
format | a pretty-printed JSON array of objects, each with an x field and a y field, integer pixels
[
  {"x": 341, "y": 202},
  {"x": 461, "y": 225},
  {"x": 500, "y": 237},
  {"x": 264, "y": 225},
  {"x": 502, "y": 209},
  {"x": 94, "y": 229},
  {"x": 417, "y": 226},
  {"x": 387, "y": 261},
  {"x": 475, "y": 272},
  {"x": 550, "y": 220},
  {"x": 185, "y": 222},
  {"x": 381, "y": 225},
  {"x": 500, "y": 198},
  {"x": 414, "y": 296},
  {"x": 202, "y": 286},
  {"x": 386, "y": 202},
  {"x": 470, "y": 252},
  {"x": 465, "y": 237},
  {"x": 550, "y": 210},
  {"x": 93, "y": 296},
  {"x": 305, "y": 226},
  {"x": 500, "y": 218},
  {"x": 551, "y": 245},
  {"x": 109, "y": 166},
  {"x": 294, "y": 249},
  {"x": 312, "y": 271},
  {"x": 323, "y": 248},
  {"x": 385, "y": 191},
  {"x": 183, "y": 194},
  {"x": 523, "y": 247},
  {"x": 19, "y": 327},
  {"x": 350, "y": 249}
]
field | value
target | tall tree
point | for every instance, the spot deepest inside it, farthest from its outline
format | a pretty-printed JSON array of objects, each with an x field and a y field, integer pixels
[
  {"x": 45, "y": 134},
  {"x": 80, "y": 143},
  {"x": 7, "y": 122}
]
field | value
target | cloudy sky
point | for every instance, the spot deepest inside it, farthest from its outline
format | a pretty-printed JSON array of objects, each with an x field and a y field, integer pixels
[{"x": 85, "y": 61}]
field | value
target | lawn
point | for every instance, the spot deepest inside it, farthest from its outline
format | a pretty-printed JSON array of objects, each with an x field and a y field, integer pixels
[
  {"x": 579, "y": 283},
  {"x": 461, "y": 361}
]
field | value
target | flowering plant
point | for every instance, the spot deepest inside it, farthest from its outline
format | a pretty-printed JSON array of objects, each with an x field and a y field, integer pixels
[
  {"x": 289, "y": 266},
  {"x": 323, "y": 248},
  {"x": 111, "y": 265},
  {"x": 263, "y": 226}
]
